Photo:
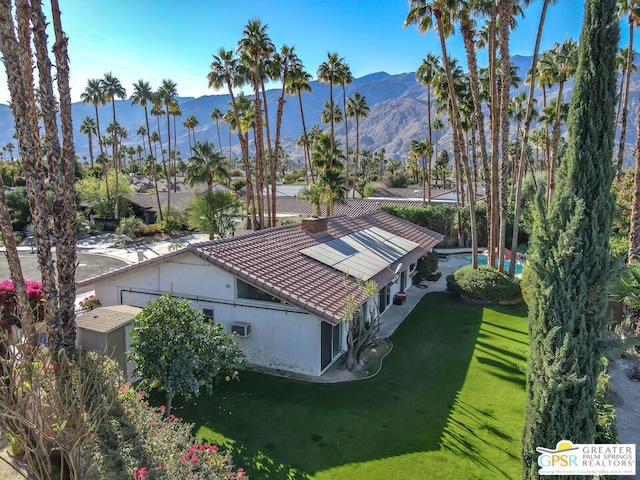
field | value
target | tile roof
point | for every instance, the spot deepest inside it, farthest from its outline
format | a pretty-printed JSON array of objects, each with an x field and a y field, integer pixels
[
  {"x": 270, "y": 259},
  {"x": 106, "y": 319}
]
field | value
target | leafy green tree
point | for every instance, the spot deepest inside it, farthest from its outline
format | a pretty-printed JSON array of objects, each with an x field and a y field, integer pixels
[
  {"x": 178, "y": 350},
  {"x": 18, "y": 205},
  {"x": 100, "y": 201},
  {"x": 569, "y": 264},
  {"x": 215, "y": 212}
]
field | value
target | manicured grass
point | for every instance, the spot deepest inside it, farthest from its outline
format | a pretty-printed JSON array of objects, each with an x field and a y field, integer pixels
[{"x": 448, "y": 404}]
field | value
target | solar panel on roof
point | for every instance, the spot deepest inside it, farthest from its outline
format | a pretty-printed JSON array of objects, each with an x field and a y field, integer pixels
[{"x": 362, "y": 254}]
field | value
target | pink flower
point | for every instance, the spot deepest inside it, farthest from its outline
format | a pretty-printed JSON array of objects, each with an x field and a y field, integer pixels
[
  {"x": 194, "y": 459},
  {"x": 184, "y": 458},
  {"x": 162, "y": 408}
]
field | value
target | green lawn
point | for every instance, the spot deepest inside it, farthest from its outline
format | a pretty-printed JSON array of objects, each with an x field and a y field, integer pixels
[{"x": 448, "y": 404}]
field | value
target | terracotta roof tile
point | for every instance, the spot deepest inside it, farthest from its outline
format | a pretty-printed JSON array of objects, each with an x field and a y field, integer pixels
[{"x": 271, "y": 260}]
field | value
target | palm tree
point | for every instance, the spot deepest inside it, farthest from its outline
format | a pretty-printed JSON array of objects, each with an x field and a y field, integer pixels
[
  {"x": 207, "y": 165},
  {"x": 566, "y": 59},
  {"x": 224, "y": 71},
  {"x": 631, "y": 8},
  {"x": 343, "y": 76},
  {"x": 94, "y": 94},
  {"x": 287, "y": 61},
  {"x": 175, "y": 111},
  {"x": 423, "y": 150},
  {"x": 357, "y": 108},
  {"x": 88, "y": 127},
  {"x": 217, "y": 115},
  {"x": 143, "y": 95},
  {"x": 329, "y": 114},
  {"x": 327, "y": 73},
  {"x": 9, "y": 147},
  {"x": 190, "y": 123},
  {"x": 326, "y": 156},
  {"x": 298, "y": 83},
  {"x": 113, "y": 88},
  {"x": 214, "y": 211},
  {"x": 255, "y": 46},
  {"x": 505, "y": 12},
  {"x": 422, "y": 14},
  {"x": 166, "y": 96}
]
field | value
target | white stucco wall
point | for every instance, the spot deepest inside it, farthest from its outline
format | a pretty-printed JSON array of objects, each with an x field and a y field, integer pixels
[{"x": 282, "y": 336}]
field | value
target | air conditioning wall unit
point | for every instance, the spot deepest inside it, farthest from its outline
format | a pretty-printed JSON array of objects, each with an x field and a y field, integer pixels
[{"x": 242, "y": 329}]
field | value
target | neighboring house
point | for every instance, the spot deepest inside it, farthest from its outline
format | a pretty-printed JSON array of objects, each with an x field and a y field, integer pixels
[
  {"x": 145, "y": 205},
  {"x": 283, "y": 290}
]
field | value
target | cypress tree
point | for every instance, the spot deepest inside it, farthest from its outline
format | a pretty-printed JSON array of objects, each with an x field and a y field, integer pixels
[{"x": 569, "y": 263}]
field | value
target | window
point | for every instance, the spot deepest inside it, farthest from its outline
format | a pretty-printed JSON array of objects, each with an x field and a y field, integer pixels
[
  {"x": 208, "y": 313},
  {"x": 244, "y": 290}
]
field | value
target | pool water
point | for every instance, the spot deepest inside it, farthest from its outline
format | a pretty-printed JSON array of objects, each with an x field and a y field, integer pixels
[{"x": 482, "y": 260}]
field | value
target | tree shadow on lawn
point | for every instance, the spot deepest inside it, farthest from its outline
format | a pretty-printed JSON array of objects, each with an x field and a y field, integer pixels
[{"x": 285, "y": 429}]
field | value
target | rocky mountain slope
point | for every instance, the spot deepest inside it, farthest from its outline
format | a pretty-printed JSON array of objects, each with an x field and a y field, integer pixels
[{"x": 398, "y": 114}]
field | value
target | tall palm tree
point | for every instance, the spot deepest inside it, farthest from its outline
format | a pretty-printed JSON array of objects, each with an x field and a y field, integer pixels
[
  {"x": 344, "y": 77},
  {"x": 88, "y": 127},
  {"x": 143, "y": 95},
  {"x": 190, "y": 123},
  {"x": 298, "y": 83},
  {"x": 166, "y": 95},
  {"x": 566, "y": 59},
  {"x": 438, "y": 126},
  {"x": 94, "y": 95},
  {"x": 621, "y": 63},
  {"x": 423, "y": 150},
  {"x": 224, "y": 72},
  {"x": 423, "y": 14},
  {"x": 207, "y": 165},
  {"x": 287, "y": 61},
  {"x": 217, "y": 115},
  {"x": 529, "y": 115},
  {"x": 327, "y": 73},
  {"x": 329, "y": 114},
  {"x": 357, "y": 108},
  {"x": 630, "y": 8},
  {"x": 175, "y": 111},
  {"x": 255, "y": 45},
  {"x": 112, "y": 89}
]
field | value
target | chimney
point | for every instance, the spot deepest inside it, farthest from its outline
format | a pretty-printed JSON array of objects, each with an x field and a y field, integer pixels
[{"x": 314, "y": 224}]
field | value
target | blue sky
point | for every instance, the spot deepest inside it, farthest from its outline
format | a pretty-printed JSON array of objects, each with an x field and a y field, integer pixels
[{"x": 157, "y": 39}]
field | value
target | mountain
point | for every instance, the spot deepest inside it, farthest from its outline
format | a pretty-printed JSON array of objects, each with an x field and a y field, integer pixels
[{"x": 398, "y": 112}]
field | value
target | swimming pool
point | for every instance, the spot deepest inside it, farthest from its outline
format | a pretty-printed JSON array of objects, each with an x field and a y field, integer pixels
[{"x": 482, "y": 260}]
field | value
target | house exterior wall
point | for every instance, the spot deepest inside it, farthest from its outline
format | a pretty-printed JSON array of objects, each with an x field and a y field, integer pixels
[{"x": 282, "y": 336}]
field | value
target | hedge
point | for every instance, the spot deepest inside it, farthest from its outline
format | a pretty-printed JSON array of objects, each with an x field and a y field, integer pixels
[{"x": 484, "y": 283}]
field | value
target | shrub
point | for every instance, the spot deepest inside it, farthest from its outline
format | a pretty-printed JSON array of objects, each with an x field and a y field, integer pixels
[
  {"x": 147, "y": 230},
  {"x": 170, "y": 225},
  {"x": 238, "y": 184},
  {"x": 370, "y": 189},
  {"x": 8, "y": 305},
  {"x": 484, "y": 283},
  {"x": 128, "y": 226},
  {"x": 137, "y": 441}
]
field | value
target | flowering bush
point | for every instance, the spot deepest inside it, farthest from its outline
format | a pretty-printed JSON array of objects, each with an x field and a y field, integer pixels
[
  {"x": 8, "y": 315},
  {"x": 90, "y": 302},
  {"x": 138, "y": 442}
]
